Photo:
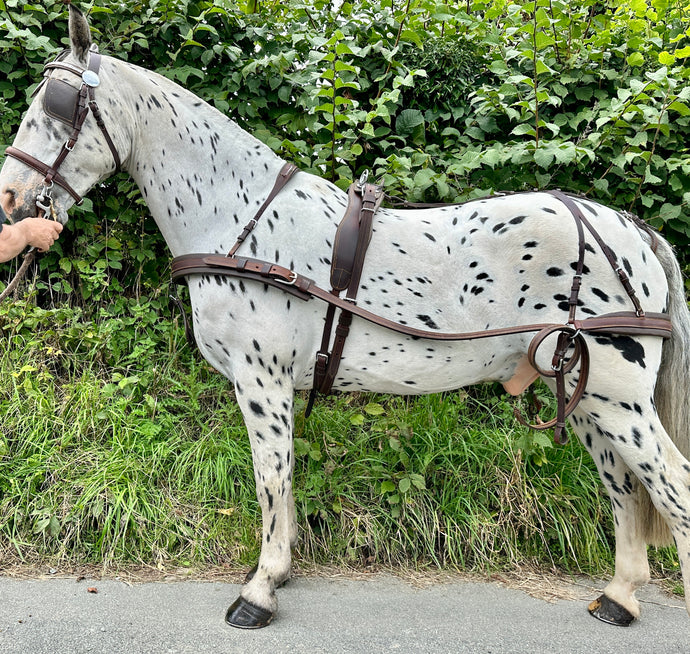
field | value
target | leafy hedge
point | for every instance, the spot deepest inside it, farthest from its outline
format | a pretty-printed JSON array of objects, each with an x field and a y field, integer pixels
[
  {"x": 445, "y": 102},
  {"x": 127, "y": 457}
]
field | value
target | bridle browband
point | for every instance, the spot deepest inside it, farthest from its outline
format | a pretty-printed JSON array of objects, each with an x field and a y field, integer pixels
[{"x": 71, "y": 106}]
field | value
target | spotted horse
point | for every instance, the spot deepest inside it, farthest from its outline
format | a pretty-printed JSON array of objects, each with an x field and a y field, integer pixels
[{"x": 485, "y": 265}]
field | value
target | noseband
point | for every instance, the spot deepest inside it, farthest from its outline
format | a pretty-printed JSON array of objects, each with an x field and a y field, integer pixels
[{"x": 71, "y": 106}]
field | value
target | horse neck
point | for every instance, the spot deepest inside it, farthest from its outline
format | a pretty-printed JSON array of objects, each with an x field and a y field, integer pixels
[{"x": 202, "y": 176}]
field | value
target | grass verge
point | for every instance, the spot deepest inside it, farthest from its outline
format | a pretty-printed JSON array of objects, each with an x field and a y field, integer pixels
[{"x": 118, "y": 446}]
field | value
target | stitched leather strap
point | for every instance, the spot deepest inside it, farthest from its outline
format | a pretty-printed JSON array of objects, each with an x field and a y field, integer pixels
[
  {"x": 570, "y": 350},
  {"x": 352, "y": 241},
  {"x": 624, "y": 322},
  {"x": 284, "y": 176},
  {"x": 86, "y": 101},
  {"x": 44, "y": 169}
]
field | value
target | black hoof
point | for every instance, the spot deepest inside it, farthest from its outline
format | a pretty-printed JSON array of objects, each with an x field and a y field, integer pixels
[
  {"x": 611, "y": 612},
  {"x": 244, "y": 615}
]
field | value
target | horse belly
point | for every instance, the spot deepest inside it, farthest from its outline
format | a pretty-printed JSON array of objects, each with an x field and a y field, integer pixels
[{"x": 377, "y": 360}]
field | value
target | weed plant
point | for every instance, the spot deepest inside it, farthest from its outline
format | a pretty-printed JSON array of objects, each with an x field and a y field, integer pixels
[{"x": 120, "y": 448}]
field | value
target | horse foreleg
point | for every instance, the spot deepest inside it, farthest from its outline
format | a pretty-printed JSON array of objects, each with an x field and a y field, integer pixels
[{"x": 268, "y": 411}]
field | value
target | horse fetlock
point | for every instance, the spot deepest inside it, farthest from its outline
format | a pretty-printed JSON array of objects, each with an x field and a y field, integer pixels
[{"x": 260, "y": 593}]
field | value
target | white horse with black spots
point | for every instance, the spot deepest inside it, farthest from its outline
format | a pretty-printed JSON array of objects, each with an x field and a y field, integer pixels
[{"x": 490, "y": 263}]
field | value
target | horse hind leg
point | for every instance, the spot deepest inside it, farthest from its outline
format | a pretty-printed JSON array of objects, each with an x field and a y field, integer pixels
[
  {"x": 635, "y": 458},
  {"x": 618, "y": 604}
]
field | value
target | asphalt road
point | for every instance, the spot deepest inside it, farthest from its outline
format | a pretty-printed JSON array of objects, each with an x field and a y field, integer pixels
[{"x": 330, "y": 615}]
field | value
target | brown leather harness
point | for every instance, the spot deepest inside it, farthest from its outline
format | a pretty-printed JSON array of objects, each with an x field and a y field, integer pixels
[
  {"x": 71, "y": 106},
  {"x": 352, "y": 238}
]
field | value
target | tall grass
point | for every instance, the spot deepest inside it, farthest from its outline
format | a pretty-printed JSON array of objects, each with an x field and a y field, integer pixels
[{"x": 111, "y": 458}]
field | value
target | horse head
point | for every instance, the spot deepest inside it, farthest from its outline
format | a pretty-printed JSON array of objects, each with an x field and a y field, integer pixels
[{"x": 75, "y": 133}]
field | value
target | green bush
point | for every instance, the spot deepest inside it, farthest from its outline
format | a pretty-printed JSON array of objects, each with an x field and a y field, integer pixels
[{"x": 108, "y": 455}]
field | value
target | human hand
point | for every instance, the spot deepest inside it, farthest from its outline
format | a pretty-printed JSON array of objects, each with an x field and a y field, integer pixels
[{"x": 39, "y": 232}]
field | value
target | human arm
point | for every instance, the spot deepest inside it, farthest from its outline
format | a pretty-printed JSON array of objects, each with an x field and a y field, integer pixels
[{"x": 37, "y": 232}]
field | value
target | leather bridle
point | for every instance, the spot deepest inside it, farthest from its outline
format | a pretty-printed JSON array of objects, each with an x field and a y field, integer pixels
[{"x": 71, "y": 106}]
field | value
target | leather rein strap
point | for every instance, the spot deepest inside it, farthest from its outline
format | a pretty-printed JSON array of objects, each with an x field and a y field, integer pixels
[
  {"x": 86, "y": 101},
  {"x": 571, "y": 346}
]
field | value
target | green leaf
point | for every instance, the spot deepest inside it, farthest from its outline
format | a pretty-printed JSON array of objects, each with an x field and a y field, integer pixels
[
  {"x": 491, "y": 157},
  {"x": 374, "y": 409},
  {"x": 387, "y": 487},
  {"x": 667, "y": 58},
  {"x": 302, "y": 447},
  {"x": 404, "y": 484},
  {"x": 543, "y": 157},
  {"x": 635, "y": 59},
  {"x": 342, "y": 48},
  {"x": 601, "y": 185},
  {"x": 543, "y": 68},
  {"x": 498, "y": 66},
  {"x": 651, "y": 178},
  {"x": 523, "y": 129},
  {"x": 408, "y": 120},
  {"x": 670, "y": 211},
  {"x": 417, "y": 481},
  {"x": 413, "y": 37},
  {"x": 679, "y": 107}
]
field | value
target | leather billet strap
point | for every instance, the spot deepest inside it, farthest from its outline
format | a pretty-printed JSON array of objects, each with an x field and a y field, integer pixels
[
  {"x": 284, "y": 176},
  {"x": 610, "y": 255}
]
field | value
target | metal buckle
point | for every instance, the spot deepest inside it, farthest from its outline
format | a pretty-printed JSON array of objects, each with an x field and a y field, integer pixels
[{"x": 291, "y": 282}]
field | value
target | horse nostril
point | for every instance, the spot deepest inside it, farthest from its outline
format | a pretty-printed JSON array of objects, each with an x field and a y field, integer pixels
[{"x": 9, "y": 199}]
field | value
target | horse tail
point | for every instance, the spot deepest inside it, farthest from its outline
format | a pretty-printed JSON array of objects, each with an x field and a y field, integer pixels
[{"x": 672, "y": 385}]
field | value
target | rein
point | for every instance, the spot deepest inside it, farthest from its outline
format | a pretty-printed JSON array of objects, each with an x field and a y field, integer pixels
[
  {"x": 569, "y": 335},
  {"x": 21, "y": 273}
]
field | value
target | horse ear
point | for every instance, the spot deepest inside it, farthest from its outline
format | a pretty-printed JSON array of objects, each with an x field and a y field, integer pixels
[{"x": 79, "y": 34}]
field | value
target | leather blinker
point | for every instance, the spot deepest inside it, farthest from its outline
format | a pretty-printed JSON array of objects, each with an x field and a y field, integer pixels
[{"x": 61, "y": 101}]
